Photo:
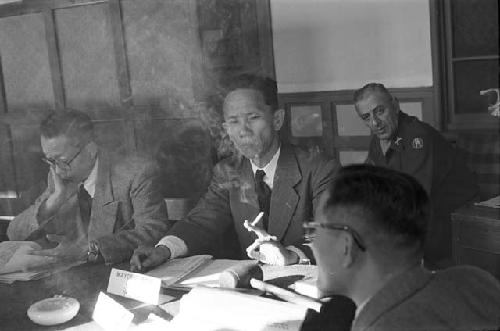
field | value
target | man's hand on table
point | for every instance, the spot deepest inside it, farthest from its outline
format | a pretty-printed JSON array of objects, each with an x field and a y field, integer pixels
[
  {"x": 148, "y": 257},
  {"x": 66, "y": 251},
  {"x": 267, "y": 249}
]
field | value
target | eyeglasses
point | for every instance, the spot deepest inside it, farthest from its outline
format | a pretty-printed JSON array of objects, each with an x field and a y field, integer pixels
[
  {"x": 310, "y": 231},
  {"x": 62, "y": 164}
]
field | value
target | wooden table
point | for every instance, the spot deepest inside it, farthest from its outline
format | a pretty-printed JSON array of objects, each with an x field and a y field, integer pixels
[
  {"x": 476, "y": 237},
  {"x": 84, "y": 283}
]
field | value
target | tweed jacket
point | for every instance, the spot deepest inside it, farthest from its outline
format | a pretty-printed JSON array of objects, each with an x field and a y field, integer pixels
[
  {"x": 300, "y": 178},
  {"x": 127, "y": 210},
  {"x": 457, "y": 298}
]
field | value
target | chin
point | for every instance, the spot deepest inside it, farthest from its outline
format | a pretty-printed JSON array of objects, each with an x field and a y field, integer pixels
[{"x": 325, "y": 287}]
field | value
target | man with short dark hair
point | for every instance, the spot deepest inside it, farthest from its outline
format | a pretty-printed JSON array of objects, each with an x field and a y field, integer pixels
[
  {"x": 368, "y": 239},
  {"x": 95, "y": 206},
  {"x": 404, "y": 143},
  {"x": 282, "y": 181}
]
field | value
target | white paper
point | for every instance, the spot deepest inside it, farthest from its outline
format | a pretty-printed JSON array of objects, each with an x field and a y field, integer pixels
[
  {"x": 14, "y": 256},
  {"x": 173, "y": 271},
  {"x": 208, "y": 309},
  {"x": 134, "y": 285},
  {"x": 110, "y": 315}
]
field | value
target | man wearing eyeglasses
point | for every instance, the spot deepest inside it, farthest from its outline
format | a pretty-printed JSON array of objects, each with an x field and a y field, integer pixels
[
  {"x": 368, "y": 239},
  {"x": 402, "y": 142},
  {"x": 96, "y": 207}
]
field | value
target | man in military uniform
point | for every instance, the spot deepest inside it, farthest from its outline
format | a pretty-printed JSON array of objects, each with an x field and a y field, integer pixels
[{"x": 404, "y": 143}]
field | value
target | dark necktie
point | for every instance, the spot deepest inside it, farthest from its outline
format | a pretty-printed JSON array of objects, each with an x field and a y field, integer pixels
[
  {"x": 85, "y": 202},
  {"x": 263, "y": 195}
]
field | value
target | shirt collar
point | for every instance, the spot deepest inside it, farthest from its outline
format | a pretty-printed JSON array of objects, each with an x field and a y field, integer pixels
[
  {"x": 89, "y": 183},
  {"x": 269, "y": 169}
]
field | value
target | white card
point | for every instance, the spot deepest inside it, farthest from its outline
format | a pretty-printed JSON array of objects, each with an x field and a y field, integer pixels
[
  {"x": 110, "y": 315},
  {"x": 135, "y": 286}
]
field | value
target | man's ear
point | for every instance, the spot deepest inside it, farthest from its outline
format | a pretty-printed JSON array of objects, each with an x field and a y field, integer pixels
[
  {"x": 349, "y": 252},
  {"x": 278, "y": 119},
  {"x": 92, "y": 148},
  {"x": 395, "y": 103}
]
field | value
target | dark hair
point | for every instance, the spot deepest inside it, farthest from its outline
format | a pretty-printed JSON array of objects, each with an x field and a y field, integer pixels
[
  {"x": 72, "y": 124},
  {"x": 395, "y": 202},
  {"x": 359, "y": 94},
  {"x": 265, "y": 85}
]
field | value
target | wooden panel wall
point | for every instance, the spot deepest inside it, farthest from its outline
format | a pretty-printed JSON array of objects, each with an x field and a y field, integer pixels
[{"x": 148, "y": 72}]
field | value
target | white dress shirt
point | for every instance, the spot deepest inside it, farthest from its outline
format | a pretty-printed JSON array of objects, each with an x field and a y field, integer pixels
[{"x": 89, "y": 183}]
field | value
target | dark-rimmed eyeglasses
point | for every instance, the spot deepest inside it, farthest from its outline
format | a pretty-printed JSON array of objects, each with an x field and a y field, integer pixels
[
  {"x": 62, "y": 164},
  {"x": 310, "y": 231}
]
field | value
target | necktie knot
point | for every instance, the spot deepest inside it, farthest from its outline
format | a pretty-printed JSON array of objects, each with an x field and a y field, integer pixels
[{"x": 259, "y": 175}]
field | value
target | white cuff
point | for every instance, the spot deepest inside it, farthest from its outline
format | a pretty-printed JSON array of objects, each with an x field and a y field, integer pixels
[
  {"x": 176, "y": 245},
  {"x": 303, "y": 259}
]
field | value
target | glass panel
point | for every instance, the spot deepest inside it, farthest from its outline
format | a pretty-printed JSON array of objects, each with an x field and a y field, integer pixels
[
  {"x": 158, "y": 36},
  {"x": 29, "y": 167},
  {"x": 412, "y": 108},
  {"x": 349, "y": 123},
  {"x": 475, "y": 27},
  {"x": 87, "y": 55},
  {"x": 470, "y": 78},
  {"x": 351, "y": 157},
  {"x": 306, "y": 121},
  {"x": 25, "y": 63},
  {"x": 111, "y": 136}
]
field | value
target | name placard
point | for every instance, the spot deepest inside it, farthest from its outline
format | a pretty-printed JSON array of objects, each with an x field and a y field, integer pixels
[
  {"x": 110, "y": 315},
  {"x": 135, "y": 286}
]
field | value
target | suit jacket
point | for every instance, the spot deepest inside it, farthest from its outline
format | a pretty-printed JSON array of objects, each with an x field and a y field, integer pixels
[
  {"x": 299, "y": 180},
  {"x": 127, "y": 210},
  {"x": 457, "y": 298}
]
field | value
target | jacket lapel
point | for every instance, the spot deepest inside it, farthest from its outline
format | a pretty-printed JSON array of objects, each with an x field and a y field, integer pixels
[
  {"x": 284, "y": 198},
  {"x": 104, "y": 208},
  {"x": 396, "y": 291}
]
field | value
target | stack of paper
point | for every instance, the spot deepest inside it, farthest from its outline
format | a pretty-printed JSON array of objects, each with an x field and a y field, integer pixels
[
  {"x": 210, "y": 309},
  {"x": 193, "y": 270},
  {"x": 17, "y": 264}
]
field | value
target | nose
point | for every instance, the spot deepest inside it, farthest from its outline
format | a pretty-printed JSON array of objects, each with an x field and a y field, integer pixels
[
  {"x": 244, "y": 127},
  {"x": 374, "y": 120}
]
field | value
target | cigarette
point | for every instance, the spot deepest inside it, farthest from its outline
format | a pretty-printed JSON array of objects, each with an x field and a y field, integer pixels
[{"x": 257, "y": 218}]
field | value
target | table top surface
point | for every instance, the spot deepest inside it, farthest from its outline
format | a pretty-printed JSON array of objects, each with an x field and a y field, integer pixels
[{"x": 84, "y": 283}]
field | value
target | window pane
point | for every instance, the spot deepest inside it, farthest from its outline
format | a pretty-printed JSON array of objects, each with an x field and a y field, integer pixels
[
  {"x": 470, "y": 78},
  {"x": 87, "y": 55},
  {"x": 160, "y": 52},
  {"x": 25, "y": 63},
  {"x": 349, "y": 123},
  {"x": 306, "y": 121},
  {"x": 475, "y": 27},
  {"x": 412, "y": 109}
]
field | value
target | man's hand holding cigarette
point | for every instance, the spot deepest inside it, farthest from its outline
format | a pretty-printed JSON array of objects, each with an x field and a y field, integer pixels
[{"x": 266, "y": 248}]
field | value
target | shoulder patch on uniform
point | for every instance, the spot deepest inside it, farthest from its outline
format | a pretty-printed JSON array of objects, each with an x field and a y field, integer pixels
[{"x": 417, "y": 143}]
